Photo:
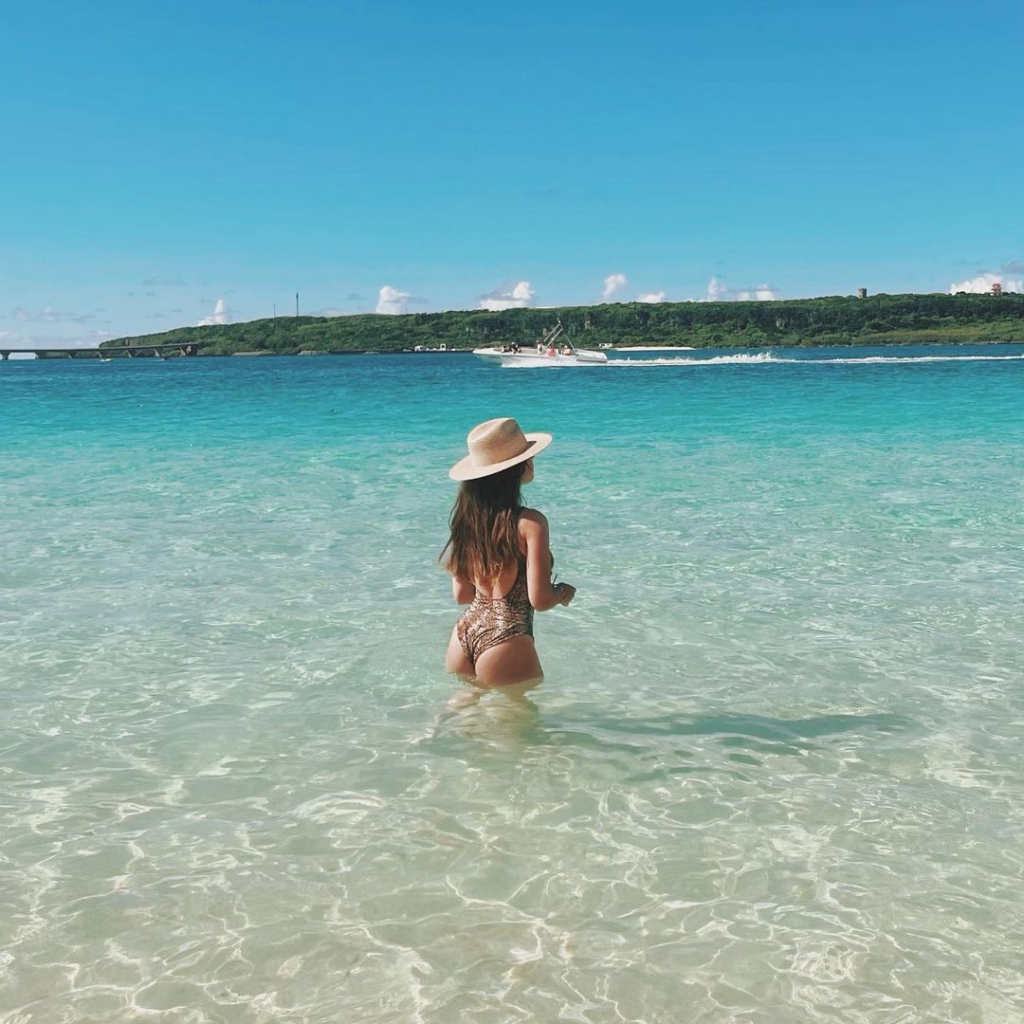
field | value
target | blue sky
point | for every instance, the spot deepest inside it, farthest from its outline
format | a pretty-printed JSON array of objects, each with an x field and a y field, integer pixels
[{"x": 160, "y": 158}]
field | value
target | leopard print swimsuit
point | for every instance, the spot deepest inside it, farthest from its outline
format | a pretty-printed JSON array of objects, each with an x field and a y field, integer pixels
[{"x": 489, "y": 622}]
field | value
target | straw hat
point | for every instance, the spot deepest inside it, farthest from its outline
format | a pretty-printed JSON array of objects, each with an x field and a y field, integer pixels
[{"x": 496, "y": 445}]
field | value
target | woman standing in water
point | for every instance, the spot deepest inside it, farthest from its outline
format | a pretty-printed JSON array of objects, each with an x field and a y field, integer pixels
[{"x": 499, "y": 557}]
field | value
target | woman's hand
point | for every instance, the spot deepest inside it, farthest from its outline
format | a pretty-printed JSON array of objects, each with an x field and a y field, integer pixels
[{"x": 566, "y": 592}]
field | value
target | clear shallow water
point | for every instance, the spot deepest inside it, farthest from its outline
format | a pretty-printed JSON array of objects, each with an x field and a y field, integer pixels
[{"x": 774, "y": 774}]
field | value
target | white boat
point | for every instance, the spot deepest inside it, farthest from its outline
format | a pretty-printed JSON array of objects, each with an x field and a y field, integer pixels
[
  {"x": 579, "y": 357},
  {"x": 547, "y": 353}
]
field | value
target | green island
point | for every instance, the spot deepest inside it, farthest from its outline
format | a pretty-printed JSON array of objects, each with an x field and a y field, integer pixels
[{"x": 836, "y": 320}]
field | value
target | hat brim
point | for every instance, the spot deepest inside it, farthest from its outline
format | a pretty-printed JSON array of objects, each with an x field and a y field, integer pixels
[{"x": 466, "y": 469}]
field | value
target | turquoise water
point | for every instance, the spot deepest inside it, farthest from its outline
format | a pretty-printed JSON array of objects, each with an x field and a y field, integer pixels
[{"x": 774, "y": 774}]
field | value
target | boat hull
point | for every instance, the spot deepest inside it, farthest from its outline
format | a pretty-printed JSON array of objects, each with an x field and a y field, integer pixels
[{"x": 536, "y": 359}]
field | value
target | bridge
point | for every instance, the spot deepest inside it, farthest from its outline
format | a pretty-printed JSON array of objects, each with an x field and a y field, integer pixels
[{"x": 176, "y": 348}]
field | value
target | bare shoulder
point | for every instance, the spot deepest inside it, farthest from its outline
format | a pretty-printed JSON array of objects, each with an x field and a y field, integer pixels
[
  {"x": 532, "y": 525},
  {"x": 532, "y": 522}
]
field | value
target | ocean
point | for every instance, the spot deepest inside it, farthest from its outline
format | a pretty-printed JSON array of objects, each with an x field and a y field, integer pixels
[{"x": 775, "y": 773}]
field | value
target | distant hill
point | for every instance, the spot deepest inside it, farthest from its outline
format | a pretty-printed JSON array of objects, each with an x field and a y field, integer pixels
[{"x": 837, "y": 320}]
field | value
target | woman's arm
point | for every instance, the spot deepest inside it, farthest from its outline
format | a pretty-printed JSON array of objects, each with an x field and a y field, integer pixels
[
  {"x": 534, "y": 529},
  {"x": 463, "y": 590}
]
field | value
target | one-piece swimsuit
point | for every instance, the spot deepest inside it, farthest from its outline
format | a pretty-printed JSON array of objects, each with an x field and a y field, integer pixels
[{"x": 488, "y": 622}]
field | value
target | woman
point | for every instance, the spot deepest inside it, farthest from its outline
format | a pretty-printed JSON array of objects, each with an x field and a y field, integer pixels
[{"x": 499, "y": 558}]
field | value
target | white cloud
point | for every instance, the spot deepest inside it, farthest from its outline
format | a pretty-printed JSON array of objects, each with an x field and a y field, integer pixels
[
  {"x": 49, "y": 315},
  {"x": 719, "y": 291},
  {"x": 982, "y": 283},
  {"x": 90, "y": 340},
  {"x": 391, "y": 301},
  {"x": 221, "y": 315},
  {"x": 516, "y": 298},
  {"x": 762, "y": 293},
  {"x": 612, "y": 284},
  {"x": 651, "y": 297}
]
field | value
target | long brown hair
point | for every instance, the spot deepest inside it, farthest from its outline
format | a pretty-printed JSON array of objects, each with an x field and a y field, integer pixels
[{"x": 484, "y": 525}]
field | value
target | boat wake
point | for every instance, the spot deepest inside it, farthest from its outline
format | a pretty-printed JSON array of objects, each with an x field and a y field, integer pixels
[
  {"x": 759, "y": 358},
  {"x": 756, "y": 357}
]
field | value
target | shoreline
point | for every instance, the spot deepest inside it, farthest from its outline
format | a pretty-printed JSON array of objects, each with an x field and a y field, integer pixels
[
  {"x": 909, "y": 319},
  {"x": 95, "y": 354}
]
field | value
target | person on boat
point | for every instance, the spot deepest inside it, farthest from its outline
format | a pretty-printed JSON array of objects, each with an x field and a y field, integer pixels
[
  {"x": 499, "y": 556},
  {"x": 552, "y": 351}
]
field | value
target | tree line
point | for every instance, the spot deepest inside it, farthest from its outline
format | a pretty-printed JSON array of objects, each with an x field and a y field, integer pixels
[{"x": 836, "y": 320}]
